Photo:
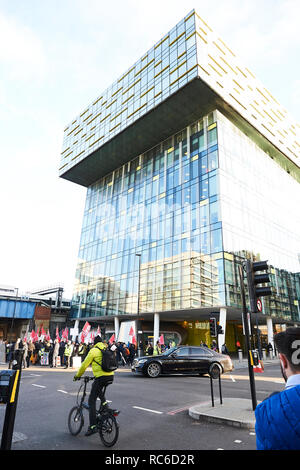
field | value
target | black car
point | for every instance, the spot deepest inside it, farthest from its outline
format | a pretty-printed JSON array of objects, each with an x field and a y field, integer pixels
[{"x": 184, "y": 359}]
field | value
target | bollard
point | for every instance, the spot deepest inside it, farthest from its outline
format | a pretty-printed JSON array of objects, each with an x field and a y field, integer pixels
[
  {"x": 264, "y": 354},
  {"x": 240, "y": 353}
]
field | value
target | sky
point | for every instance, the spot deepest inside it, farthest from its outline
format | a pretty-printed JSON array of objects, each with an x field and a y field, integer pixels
[{"x": 56, "y": 56}]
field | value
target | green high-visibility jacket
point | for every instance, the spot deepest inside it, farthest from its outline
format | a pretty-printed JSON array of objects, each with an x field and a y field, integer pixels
[
  {"x": 68, "y": 350},
  {"x": 94, "y": 357}
]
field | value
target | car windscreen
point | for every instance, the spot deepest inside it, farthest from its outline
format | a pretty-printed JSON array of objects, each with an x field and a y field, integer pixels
[{"x": 168, "y": 351}]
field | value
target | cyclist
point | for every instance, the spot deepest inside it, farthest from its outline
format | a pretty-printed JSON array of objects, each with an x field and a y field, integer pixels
[{"x": 94, "y": 358}]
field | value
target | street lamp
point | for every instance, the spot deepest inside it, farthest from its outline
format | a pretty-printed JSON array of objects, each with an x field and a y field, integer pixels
[{"x": 138, "y": 307}]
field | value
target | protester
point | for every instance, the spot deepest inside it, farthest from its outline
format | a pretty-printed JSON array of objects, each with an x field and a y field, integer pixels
[
  {"x": 51, "y": 352},
  {"x": 61, "y": 352},
  {"x": 82, "y": 351},
  {"x": 157, "y": 349},
  {"x": 30, "y": 355},
  {"x": 68, "y": 353},
  {"x": 277, "y": 417},
  {"x": 55, "y": 353},
  {"x": 25, "y": 354},
  {"x": 149, "y": 350},
  {"x": 132, "y": 352}
]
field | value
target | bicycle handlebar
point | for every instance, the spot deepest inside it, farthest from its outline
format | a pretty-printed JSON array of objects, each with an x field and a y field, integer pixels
[{"x": 86, "y": 378}]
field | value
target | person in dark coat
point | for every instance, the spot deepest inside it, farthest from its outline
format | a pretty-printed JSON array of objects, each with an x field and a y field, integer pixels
[
  {"x": 61, "y": 352},
  {"x": 278, "y": 417}
]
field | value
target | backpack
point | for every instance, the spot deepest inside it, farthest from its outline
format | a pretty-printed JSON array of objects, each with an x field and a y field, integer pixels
[{"x": 109, "y": 362}]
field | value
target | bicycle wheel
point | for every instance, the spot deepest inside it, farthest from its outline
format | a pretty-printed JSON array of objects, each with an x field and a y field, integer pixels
[
  {"x": 108, "y": 430},
  {"x": 75, "y": 420}
]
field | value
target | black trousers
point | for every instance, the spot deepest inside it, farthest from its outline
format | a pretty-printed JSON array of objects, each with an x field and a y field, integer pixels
[{"x": 98, "y": 390}]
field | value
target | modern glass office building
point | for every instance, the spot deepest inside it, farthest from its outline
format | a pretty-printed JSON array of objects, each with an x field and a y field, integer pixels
[{"x": 191, "y": 164}]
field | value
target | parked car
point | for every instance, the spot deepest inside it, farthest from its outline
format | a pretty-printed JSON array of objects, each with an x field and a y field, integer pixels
[{"x": 184, "y": 359}]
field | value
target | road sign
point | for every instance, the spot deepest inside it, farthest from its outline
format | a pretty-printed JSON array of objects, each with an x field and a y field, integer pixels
[{"x": 259, "y": 305}]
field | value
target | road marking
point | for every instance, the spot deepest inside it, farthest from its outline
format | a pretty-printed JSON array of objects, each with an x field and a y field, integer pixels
[
  {"x": 146, "y": 409},
  {"x": 174, "y": 412},
  {"x": 35, "y": 375},
  {"x": 238, "y": 441},
  {"x": 62, "y": 391},
  {"x": 178, "y": 411},
  {"x": 232, "y": 378},
  {"x": 41, "y": 386},
  {"x": 251, "y": 433},
  {"x": 246, "y": 377}
]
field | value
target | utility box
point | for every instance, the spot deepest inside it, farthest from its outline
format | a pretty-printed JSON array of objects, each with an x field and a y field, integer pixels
[{"x": 6, "y": 384}]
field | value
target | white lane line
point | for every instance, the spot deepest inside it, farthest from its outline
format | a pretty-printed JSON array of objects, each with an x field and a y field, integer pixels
[
  {"x": 62, "y": 391},
  {"x": 35, "y": 375},
  {"x": 233, "y": 380},
  {"x": 41, "y": 386},
  {"x": 238, "y": 441},
  {"x": 146, "y": 409}
]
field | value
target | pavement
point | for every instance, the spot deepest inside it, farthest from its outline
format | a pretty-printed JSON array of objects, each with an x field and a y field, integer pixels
[{"x": 236, "y": 412}]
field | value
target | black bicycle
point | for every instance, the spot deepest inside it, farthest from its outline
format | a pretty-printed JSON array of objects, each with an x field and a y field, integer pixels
[{"x": 106, "y": 421}]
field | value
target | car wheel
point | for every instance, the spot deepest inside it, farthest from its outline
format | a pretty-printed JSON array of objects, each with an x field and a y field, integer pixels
[
  {"x": 215, "y": 370},
  {"x": 153, "y": 369}
]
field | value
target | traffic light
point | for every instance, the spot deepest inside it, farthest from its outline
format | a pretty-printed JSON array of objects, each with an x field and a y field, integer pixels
[
  {"x": 219, "y": 330},
  {"x": 256, "y": 276},
  {"x": 213, "y": 327}
]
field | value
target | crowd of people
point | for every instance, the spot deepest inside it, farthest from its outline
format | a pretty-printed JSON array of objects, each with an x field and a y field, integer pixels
[
  {"x": 43, "y": 352},
  {"x": 61, "y": 353}
]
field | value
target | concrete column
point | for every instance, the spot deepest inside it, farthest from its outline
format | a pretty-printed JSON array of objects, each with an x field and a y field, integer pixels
[
  {"x": 222, "y": 322},
  {"x": 117, "y": 327},
  {"x": 156, "y": 329},
  {"x": 270, "y": 332}
]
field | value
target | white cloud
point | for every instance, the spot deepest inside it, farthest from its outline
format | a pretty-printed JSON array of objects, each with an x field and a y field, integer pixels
[{"x": 21, "y": 51}]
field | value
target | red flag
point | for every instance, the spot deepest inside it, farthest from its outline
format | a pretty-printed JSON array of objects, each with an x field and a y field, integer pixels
[
  {"x": 43, "y": 332},
  {"x": 86, "y": 328},
  {"x": 131, "y": 332},
  {"x": 65, "y": 333},
  {"x": 133, "y": 340},
  {"x": 161, "y": 339},
  {"x": 98, "y": 331},
  {"x": 57, "y": 334},
  {"x": 34, "y": 336},
  {"x": 112, "y": 339}
]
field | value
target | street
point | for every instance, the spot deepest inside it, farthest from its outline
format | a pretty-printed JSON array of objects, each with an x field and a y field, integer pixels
[{"x": 154, "y": 412}]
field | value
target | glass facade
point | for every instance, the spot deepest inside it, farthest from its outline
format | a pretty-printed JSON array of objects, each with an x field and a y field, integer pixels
[{"x": 164, "y": 205}]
